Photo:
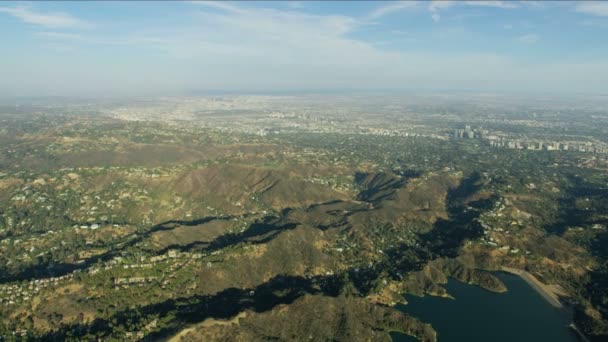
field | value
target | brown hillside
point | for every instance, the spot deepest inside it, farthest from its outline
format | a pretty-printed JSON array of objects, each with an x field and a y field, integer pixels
[{"x": 230, "y": 184}]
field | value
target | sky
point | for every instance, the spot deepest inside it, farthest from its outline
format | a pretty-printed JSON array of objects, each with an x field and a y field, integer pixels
[{"x": 101, "y": 48}]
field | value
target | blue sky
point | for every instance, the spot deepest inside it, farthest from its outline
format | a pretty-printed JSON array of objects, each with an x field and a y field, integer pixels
[{"x": 139, "y": 48}]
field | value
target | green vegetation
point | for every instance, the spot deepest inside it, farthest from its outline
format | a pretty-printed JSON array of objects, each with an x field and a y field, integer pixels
[{"x": 130, "y": 230}]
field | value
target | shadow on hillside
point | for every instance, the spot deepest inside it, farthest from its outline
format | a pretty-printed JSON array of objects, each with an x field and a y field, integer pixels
[
  {"x": 257, "y": 233},
  {"x": 176, "y": 314},
  {"x": 49, "y": 269},
  {"x": 572, "y": 216},
  {"x": 377, "y": 187},
  {"x": 447, "y": 235}
]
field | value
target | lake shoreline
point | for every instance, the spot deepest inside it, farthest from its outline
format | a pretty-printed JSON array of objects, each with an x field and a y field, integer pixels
[
  {"x": 549, "y": 293},
  {"x": 479, "y": 315}
]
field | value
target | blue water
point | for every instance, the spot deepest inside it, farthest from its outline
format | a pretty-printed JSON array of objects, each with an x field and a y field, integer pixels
[{"x": 520, "y": 314}]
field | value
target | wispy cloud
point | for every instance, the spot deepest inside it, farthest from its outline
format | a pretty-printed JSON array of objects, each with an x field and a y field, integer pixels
[
  {"x": 436, "y": 5},
  {"x": 221, "y": 5},
  {"x": 599, "y": 23},
  {"x": 59, "y": 35},
  {"x": 391, "y": 8},
  {"x": 497, "y": 4},
  {"x": 534, "y": 4},
  {"x": 47, "y": 19},
  {"x": 279, "y": 47},
  {"x": 598, "y": 8},
  {"x": 529, "y": 38},
  {"x": 295, "y": 4},
  {"x": 225, "y": 32}
]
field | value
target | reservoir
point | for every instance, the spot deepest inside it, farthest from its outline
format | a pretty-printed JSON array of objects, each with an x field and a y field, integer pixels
[{"x": 520, "y": 314}]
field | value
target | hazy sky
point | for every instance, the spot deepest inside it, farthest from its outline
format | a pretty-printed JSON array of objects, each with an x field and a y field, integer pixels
[{"x": 113, "y": 48}]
